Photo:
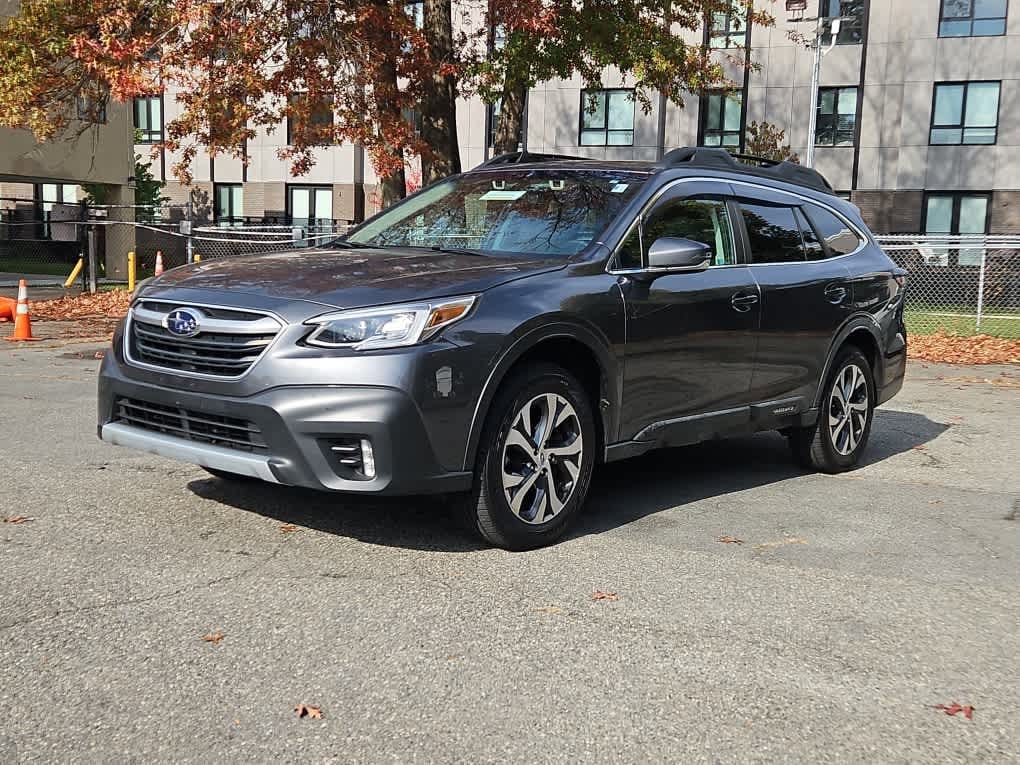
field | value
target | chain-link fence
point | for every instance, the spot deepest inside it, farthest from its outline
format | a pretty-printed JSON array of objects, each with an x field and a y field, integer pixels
[
  {"x": 40, "y": 238},
  {"x": 962, "y": 285}
]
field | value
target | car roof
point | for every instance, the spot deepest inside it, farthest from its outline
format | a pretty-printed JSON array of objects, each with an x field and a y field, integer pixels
[{"x": 688, "y": 158}]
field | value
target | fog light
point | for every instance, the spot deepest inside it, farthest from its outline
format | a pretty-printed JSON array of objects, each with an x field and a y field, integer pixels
[{"x": 367, "y": 458}]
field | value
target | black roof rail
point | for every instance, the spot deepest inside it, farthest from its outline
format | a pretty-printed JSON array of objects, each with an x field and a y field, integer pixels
[
  {"x": 790, "y": 172},
  {"x": 519, "y": 157}
]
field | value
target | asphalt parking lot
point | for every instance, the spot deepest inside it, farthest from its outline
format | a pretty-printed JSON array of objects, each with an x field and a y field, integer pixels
[{"x": 839, "y": 613}]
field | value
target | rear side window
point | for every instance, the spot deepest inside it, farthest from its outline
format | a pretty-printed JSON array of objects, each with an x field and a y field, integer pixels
[
  {"x": 773, "y": 233},
  {"x": 837, "y": 235},
  {"x": 812, "y": 244}
]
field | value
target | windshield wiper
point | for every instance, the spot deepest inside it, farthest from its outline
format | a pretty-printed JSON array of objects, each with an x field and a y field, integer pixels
[{"x": 457, "y": 251}]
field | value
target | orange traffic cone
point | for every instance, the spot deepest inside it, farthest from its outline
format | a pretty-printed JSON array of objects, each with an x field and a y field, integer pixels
[
  {"x": 8, "y": 308},
  {"x": 22, "y": 321},
  {"x": 159, "y": 263}
]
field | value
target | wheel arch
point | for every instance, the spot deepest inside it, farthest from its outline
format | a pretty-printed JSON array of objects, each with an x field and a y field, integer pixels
[
  {"x": 863, "y": 332},
  {"x": 575, "y": 348}
]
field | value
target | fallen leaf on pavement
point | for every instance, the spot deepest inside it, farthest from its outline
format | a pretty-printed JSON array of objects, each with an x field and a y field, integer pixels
[
  {"x": 549, "y": 610},
  {"x": 288, "y": 528},
  {"x": 214, "y": 638},
  {"x": 953, "y": 349},
  {"x": 17, "y": 519},
  {"x": 781, "y": 543},
  {"x": 955, "y": 708},
  {"x": 306, "y": 710},
  {"x": 601, "y": 595},
  {"x": 728, "y": 540}
]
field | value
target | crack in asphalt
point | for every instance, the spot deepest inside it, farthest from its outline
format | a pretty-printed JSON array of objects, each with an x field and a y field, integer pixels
[{"x": 150, "y": 599}]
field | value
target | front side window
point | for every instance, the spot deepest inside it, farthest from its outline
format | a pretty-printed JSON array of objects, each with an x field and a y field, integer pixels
[
  {"x": 972, "y": 18},
  {"x": 837, "y": 117},
  {"x": 607, "y": 118},
  {"x": 965, "y": 113},
  {"x": 773, "y": 233},
  {"x": 728, "y": 29},
  {"x": 526, "y": 212},
  {"x": 851, "y": 20},
  {"x": 229, "y": 198},
  {"x": 149, "y": 118},
  {"x": 721, "y": 119},
  {"x": 700, "y": 220}
]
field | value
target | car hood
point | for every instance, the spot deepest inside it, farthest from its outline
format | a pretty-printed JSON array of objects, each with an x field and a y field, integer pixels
[{"x": 350, "y": 278}]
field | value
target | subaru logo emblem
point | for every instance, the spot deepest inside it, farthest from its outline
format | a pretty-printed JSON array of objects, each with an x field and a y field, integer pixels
[{"x": 183, "y": 322}]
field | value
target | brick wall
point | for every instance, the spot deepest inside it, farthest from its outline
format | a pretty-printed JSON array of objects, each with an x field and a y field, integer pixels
[
  {"x": 1005, "y": 212},
  {"x": 891, "y": 212}
]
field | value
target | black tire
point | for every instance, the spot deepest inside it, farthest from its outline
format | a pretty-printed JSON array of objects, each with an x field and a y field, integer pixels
[
  {"x": 814, "y": 447},
  {"x": 223, "y": 475},
  {"x": 487, "y": 508}
]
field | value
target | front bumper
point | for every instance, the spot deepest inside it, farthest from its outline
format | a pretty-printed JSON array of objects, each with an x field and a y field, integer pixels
[{"x": 297, "y": 424}]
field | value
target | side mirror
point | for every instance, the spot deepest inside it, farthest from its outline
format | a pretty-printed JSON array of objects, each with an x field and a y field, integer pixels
[{"x": 670, "y": 253}]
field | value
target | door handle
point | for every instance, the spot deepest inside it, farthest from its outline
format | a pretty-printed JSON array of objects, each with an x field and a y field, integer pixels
[
  {"x": 835, "y": 294},
  {"x": 742, "y": 301}
]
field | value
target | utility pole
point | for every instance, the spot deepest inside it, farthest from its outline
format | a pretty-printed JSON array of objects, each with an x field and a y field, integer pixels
[{"x": 816, "y": 44}]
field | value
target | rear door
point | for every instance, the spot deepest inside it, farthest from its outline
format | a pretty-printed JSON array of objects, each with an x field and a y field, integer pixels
[{"x": 806, "y": 295}]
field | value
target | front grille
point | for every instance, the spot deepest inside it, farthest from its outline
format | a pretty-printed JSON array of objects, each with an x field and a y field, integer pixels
[
  {"x": 214, "y": 429},
  {"x": 228, "y": 348}
]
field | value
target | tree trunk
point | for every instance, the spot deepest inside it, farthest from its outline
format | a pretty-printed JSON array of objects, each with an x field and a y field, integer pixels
[
  {"x": 511, "y": 118},
  {"x": 439, "y": 98},
  {"x": 393, "y": 186}
]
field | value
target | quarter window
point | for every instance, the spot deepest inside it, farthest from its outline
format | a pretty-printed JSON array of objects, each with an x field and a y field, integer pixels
[
  {"x": 972, "y": 18},
  {"x": 838, "y": 237},
  {"x": 607, "y": 118},
  {"x": 700, "y": 220},
  {"x": 721, "y": 119},
  {"x": 149, "y": 119},
  {"x": 773, "y": 233},
  {"x": 965, "y": 113},
  {"x": 837, "y": 117}
]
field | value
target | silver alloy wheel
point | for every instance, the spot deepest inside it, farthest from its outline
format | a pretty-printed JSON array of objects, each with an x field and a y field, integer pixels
[
  {"x": 848, "y": 409},
  {"x": 542, "y": 458}
]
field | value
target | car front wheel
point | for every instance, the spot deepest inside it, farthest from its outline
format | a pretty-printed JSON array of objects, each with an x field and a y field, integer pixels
[
  {"x": 835, "y": 443},
  {"x": 535, "y": 459}
]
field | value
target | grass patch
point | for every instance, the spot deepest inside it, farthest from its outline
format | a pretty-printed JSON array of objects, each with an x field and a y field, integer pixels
[
  {"x": 33, "y": 267},
  {"x": 922, "y": 322}
]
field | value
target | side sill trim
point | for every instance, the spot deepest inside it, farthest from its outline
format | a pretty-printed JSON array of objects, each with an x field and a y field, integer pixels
[{"x": 206, "y": 455}]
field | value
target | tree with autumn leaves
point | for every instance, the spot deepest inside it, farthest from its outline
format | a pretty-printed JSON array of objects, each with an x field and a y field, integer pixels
[{"x": 238, "y": 66}]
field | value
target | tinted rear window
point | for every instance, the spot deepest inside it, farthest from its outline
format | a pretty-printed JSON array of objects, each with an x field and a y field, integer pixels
[
  {"x": 774, "y": 234},
  {"x": 838, "y": 236}
]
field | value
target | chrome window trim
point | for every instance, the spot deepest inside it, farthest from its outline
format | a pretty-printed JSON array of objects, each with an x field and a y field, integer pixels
[
  {"x": 187, "y": 304},
  {"x": 861, "y": 236}
]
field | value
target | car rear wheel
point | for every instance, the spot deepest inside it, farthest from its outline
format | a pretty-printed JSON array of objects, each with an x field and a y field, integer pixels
[
  {"x": 535, "y": 459},
  {"x": 837, "y": 440}
]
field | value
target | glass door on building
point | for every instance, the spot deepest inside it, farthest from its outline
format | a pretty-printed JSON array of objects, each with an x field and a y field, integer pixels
[{"x": 310, "y": 209}]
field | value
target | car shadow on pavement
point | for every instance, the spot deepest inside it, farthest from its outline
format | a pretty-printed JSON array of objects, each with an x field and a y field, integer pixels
[{"x": 622, "y": 492}]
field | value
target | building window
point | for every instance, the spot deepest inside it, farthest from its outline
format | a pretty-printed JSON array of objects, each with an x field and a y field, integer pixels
[
  {"x": 956, "y": 214},
  {"x": 851, "y": 16},
  {"x": 315, "y": 127},
  {"x": 493, "y": 111},
  {"x": 310, "y": 208},
  {"x": 720, "y": 119},
  {"x": 728, "y": 29},
  {"x": 92, "y": 101},
  {"x": 965, "y": 113},
  {"x": 416, "y": 10},
  {"x": 229, "y": 204},
  {"x": 837, "y": 117},
  {"x": 49, "y": 194},
  {"x": 149, "y": 119},
  {"x": 972, "y": 18},
  {"x": 607, "y": 118}
]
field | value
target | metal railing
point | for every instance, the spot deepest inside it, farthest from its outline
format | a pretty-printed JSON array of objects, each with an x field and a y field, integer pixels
[{"x": 961, "y": 285}]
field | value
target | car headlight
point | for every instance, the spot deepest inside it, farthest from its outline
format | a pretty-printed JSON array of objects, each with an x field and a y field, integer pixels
[{"x": 389, "y": 326}]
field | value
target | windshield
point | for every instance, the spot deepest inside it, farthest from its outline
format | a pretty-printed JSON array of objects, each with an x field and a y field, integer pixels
[{"x": 547, "y": 212}]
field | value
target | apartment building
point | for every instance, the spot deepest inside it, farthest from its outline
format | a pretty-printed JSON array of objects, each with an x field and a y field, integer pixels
[{"x": 918, "y": 108}]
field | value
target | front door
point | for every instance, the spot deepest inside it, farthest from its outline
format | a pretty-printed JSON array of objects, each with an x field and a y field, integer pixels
[{"x": 691, "y": 337}]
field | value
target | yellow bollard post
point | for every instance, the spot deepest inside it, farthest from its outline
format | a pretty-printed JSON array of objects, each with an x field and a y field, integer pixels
[
  {"x": 198, "y": 258},
  {"x": 131, "y": 271},
  {"x": 75, "y": 273}
]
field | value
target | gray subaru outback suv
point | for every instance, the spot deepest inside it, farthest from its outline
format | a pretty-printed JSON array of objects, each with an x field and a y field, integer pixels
[{"x": 499, "y": 334}]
